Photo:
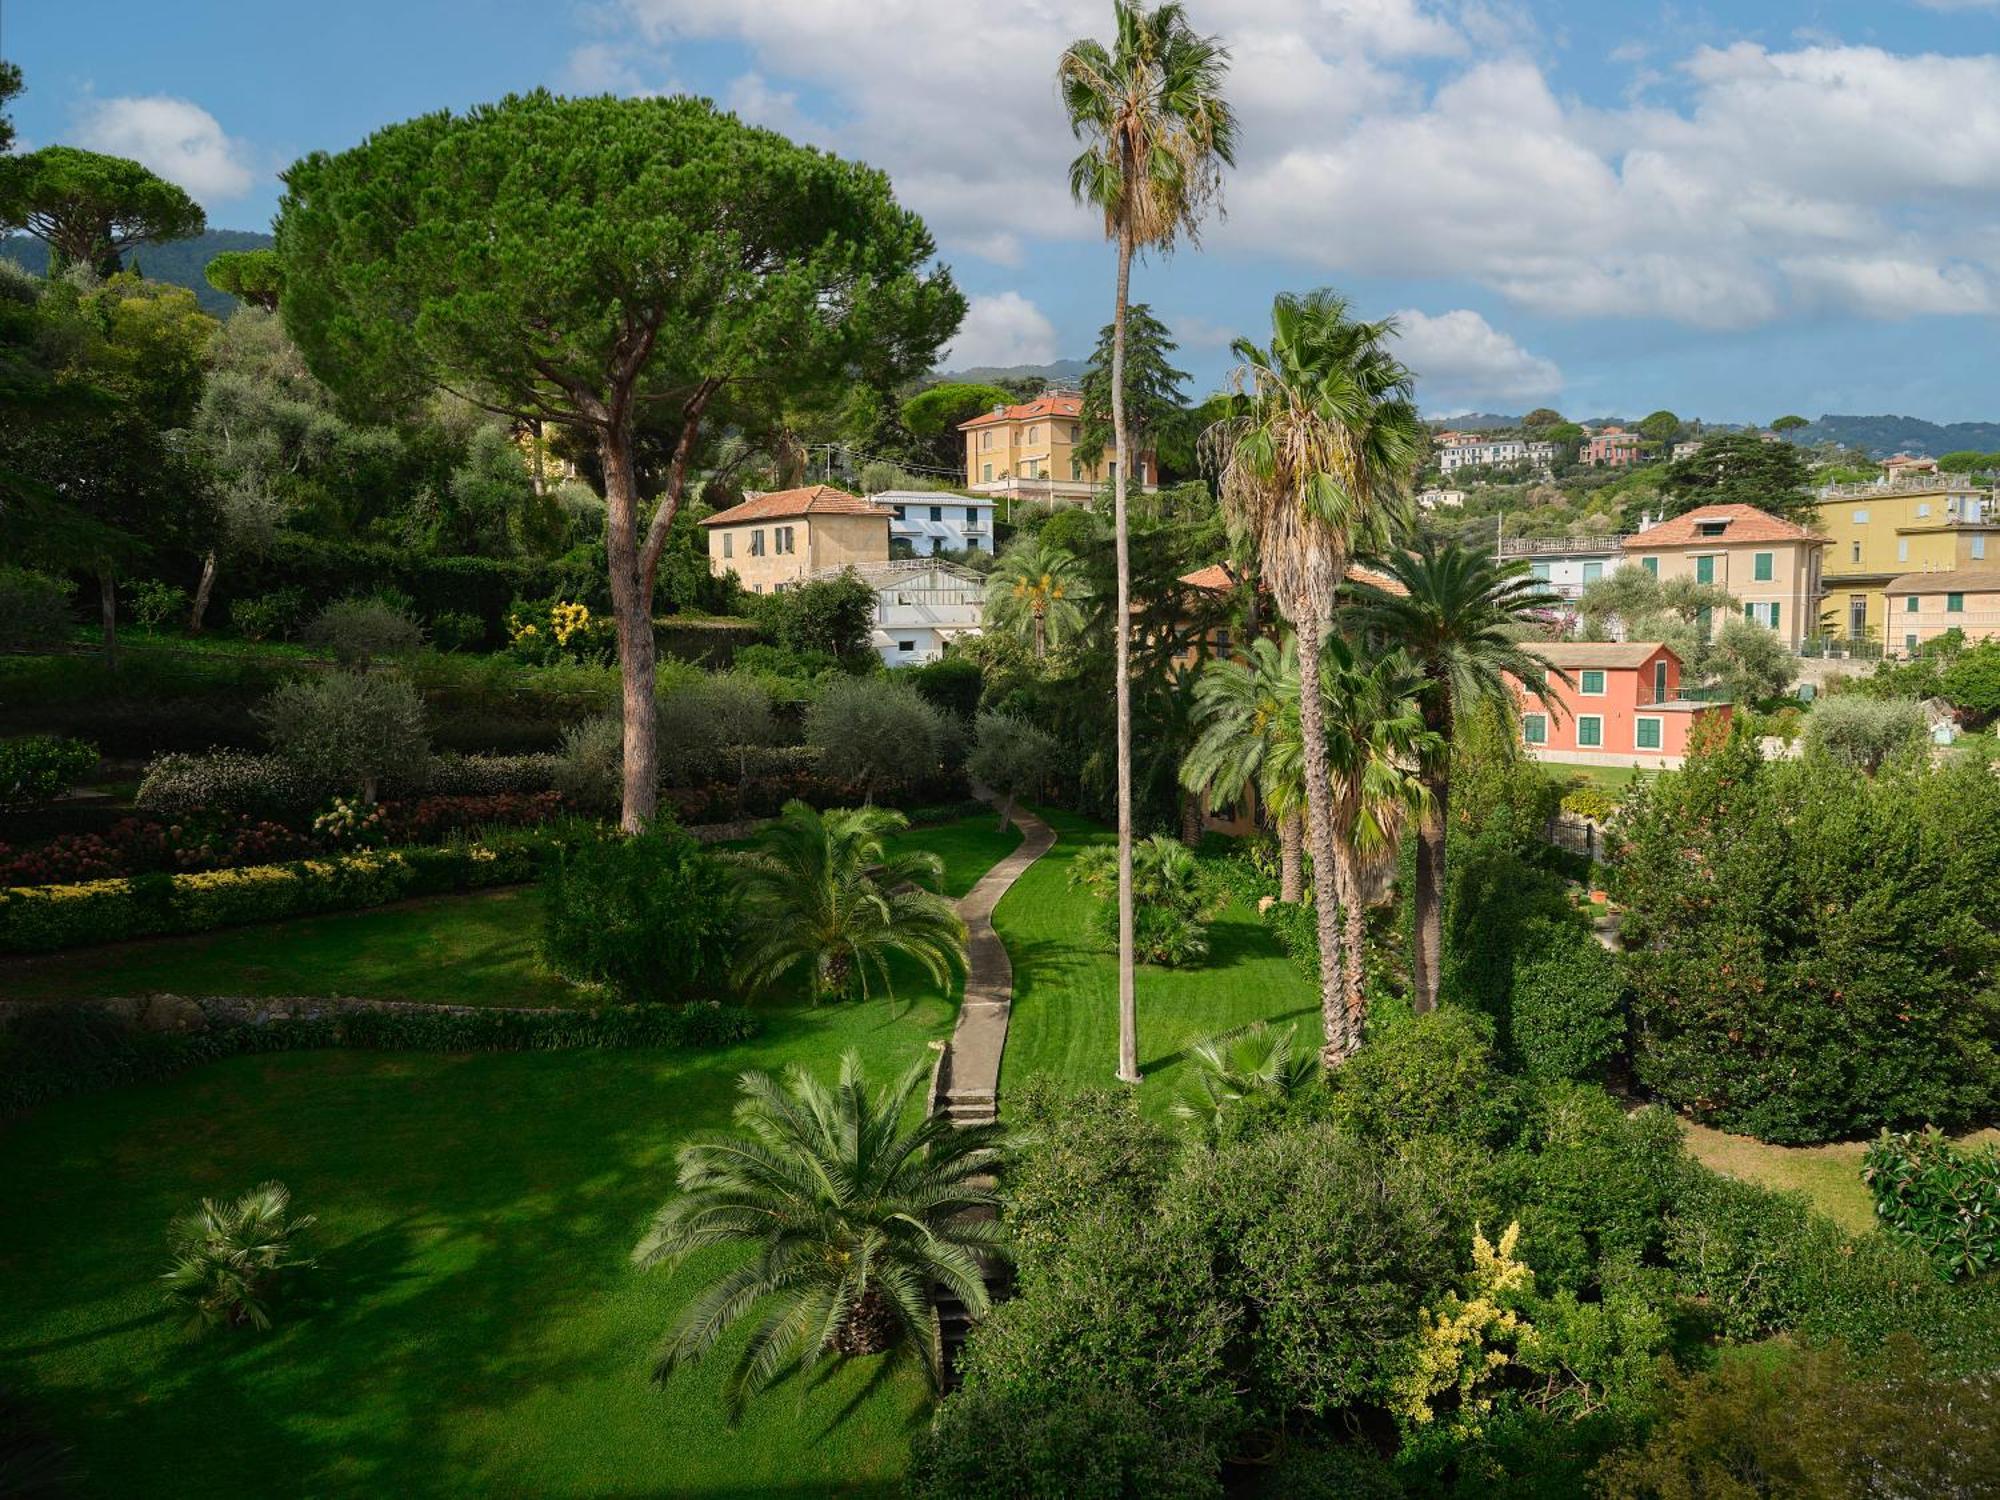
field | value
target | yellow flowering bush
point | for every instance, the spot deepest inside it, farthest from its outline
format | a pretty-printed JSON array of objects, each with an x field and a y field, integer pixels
[
  {"x": 1464, "y": 1343},
  {"x": 556, "y": 630}
]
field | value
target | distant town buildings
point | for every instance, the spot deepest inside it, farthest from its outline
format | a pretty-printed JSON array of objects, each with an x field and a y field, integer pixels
[
  {"x": 1440, "y": 499},
  {"x": 1034, "y": 451},
  {"x": 1685, "y": 449},
  {"x": 928, "y": 522},
  {"x": 1770, "y": 565},
  {"x": 1458, "y": 450}
]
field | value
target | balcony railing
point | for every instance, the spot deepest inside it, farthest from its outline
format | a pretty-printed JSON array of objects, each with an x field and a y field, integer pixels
[
  {"x": 1545, "y": 546},
  {"x": 1909, "y": 484}
]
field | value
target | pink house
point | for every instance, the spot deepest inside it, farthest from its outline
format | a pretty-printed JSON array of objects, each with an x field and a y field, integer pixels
[
  {"x": 1612, "y": 447},
  {"x": 1621, "y": 706}
]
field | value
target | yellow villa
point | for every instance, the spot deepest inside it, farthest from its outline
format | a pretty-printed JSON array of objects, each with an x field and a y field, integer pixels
[
  {"x": 1771, "y": 565},
  {"x": 779, "y": 538},
  {"x": 1913, "y": 522},
  {"x": 1035, "y": 451}
]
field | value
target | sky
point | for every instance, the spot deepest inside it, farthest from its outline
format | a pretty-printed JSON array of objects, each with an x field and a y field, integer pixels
[{"x": 1731, "y": 210}]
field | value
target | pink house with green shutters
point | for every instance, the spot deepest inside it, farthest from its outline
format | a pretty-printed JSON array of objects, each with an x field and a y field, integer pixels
[{"x": 1622, "y": 706}]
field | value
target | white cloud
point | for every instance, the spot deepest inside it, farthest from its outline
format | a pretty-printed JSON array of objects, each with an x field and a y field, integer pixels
[
  {"x": 178, "y": 139},
  {"x": 1006, "y": 329},
  {"x": 1462, "y": 360}
]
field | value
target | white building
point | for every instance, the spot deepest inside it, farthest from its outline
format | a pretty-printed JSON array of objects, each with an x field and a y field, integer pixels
[
  {"x": 1565, "y": 565},
  {"x": 921, "y": 606},
  {"x": 1464, "y": 451},
  {"x": 932, "y": 521},
  {"x": 1686, "y": 449},
  {"x": 1439, "y": 499}
]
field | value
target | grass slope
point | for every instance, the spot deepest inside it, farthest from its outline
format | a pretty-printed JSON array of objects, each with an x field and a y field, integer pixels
[{"x": 1065, "y": 1017}]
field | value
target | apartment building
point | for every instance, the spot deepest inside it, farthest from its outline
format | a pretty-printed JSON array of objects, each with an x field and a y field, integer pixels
[
  {"x": 782, "y": 537},
  {"x": 1621, "y": 706},
  {"x": 1610, "y": 447},
  {"x": 1924, "y": 606},
  {"x": 1771, "y": 565},
  {"x": 1456, "y": 450},
  {"x": 1564, "y": 565},
  {"x": 1034, "y": 451},
  {"x": 1914, "y": 521}
]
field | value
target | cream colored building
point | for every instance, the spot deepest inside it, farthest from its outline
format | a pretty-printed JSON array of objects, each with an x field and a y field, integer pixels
[
  {"x": 1923, "y": 606},
  {"x": 776, "y": 539},
  {"x": 1771, "y": 565},
  {"x": 1035, "y": 451},
  {"x": 1918, "y": 522}
]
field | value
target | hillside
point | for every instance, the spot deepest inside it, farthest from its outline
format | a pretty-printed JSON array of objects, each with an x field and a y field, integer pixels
[
  {"x": 1885, "y": 435},
  {"x": 1067, "y": 372},
  {"x": 180, "y": 263}
]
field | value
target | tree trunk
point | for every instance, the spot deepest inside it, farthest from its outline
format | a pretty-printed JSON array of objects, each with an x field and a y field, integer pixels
[
  {"x": 1319, "y": 835},
  {"x": 201, "y": 593},
  {"x": 870, "y": 1328},
  {"x": 1291, "y": 859},
  {"x": 107, "y": 601},
  {"x": 1426, "y": 961},
  {"x": 1128, "y": 1010},
  {"x": 631, "y": 606},
  {"x": 1041, "y": 635},
  {"x": 1353, "y": 942},
  {"x": 1191, "y": 819}
]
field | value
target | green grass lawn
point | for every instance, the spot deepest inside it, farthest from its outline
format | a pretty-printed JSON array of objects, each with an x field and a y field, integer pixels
[
  {"x": 1610, "y": 778},
  {"x": 1065, "y": 1018}
]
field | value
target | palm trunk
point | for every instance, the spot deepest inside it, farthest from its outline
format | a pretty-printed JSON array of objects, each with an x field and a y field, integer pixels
[
  {"x": 107, "y": 604},
  {"x": 1128, "y": 1010},
  {"x": 631, "y": 606},
  {"x": 1291, "y": 859},
  {"x": 1353, "y": 942},
  {"x": 1319, "y": 835},
  {"x": 1191, "y": 820},
  {"x": 1428, "y": 957},
  {"x": 1041, "y": 635},
  {"x": 201, "y": 593}
]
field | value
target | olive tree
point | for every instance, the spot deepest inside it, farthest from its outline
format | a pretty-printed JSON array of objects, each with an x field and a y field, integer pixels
[{"x": 598, "y": 264}]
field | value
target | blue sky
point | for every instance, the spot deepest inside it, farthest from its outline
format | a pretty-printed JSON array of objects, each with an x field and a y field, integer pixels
[{"x": 1732, "y": 210}]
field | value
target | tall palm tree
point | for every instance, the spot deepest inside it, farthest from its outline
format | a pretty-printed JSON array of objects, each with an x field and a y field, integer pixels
[
  {"x": 1037, "y": 590},
  {"x": 1156, "y": 135},
  {"x": 1244, "y": 709},
  {"x": 1460, "y": 620},
  {"x": 852, "y": 1216},
  {"x": 1315, "y": 461},
  {"x": 822, "y": 892}
]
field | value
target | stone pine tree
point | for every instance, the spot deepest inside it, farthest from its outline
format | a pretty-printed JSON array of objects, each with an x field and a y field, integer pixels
[
  {"x": 582, "y": 262},
  {"x": 88, "y": 207},
  {"x": 1156, "y": 134}
]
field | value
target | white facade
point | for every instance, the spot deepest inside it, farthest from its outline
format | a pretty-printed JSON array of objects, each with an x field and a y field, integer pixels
[
  {"x": 1566, "y": 565},
  {"x": 932, "y": 521},
  {"x": 1441, "y": 499},
  {"x": 1687, "y": 449},
  {"x": 1482, "y": 453},
  {"x": 921, "y": 606}
]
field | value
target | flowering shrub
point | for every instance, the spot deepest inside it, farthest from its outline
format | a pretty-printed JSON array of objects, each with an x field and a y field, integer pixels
[
  {"x": 41, "y": 768},
  {"x": 557, "y": 629},
  {"x": 223, "y": 781},
  {"x": 133, "y": 846},
  {"x": 490, "y": 775},
  {"x": 348, "y": 822}
]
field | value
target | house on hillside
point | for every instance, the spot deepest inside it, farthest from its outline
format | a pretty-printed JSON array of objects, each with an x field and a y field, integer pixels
[
  {"x": 928, "y": 522},
  {"x": 1621, "y": 707},
  {"x": 922, "y": 605},
  {"x": 786, "y": 536},
  {"x": 1611, "y": 447},
  {"x": 1770, "y": 564},
  {"x": 1035, "y": 451},
  {"x": 1924, "y": 606}
]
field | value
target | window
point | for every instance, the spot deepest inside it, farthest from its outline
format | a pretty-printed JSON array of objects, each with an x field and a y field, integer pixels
[
  {"x": 1910, "y": 644},
  {"x": 906, "y": 645},
  {"x": 1704, "y": 569},
  {"x": 1902, "y": 549},
  {"x": 1222, "y": 643},
  {"x": 1646, "y": 733},
  {"x": 1923, "y": 509},
  {"x": 1651, "y": 565},
  {"x": 1075, "y": 433},
  {"x": 1659, "y": 682},
  {"x": 937, "y": 512},
  {"x": 728, "y": 544},
  {"x": 902, "y": 513},
  {"x": 1034, "y": 434},
  {"x": 1762, "y": 614},
  {"x": 989, "y": 474},
  {"x": 1761, "y": 567},
  {"x": 1592, "y": 572},
  {"x": 1910, "y": 605},
  {"x": 788, "y": 540},
  {"x": 1591, "y": 684},
  {"x": 756, "y": 544},
  {"x": 1954, "y": 604},
  {"x": 1711, "y": 528},
  {"x": 972, "y": 515},
  {"x": 1075, "y": 469},
  {"x": 1857, "y": 552},
  {"x": 1589, "y": 730},
  {"x": 1979, "y": 545},
  {"x": 986, "y": 439},
  {"x": 1535, "y": 728},
  {"x": 1861, "y": 518},
  {"x": 1539, "y": 572}
]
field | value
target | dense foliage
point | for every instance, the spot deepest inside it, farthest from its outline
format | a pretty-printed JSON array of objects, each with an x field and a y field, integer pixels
[
  {"x": 651, "y": 917},
  {"x": 1944, "y": 1197},
  {"x": 41, "y": 768}
]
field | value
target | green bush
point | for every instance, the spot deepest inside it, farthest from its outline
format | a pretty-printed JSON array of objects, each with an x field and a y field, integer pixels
[
  {"x": 1173, "y": 899},
  {"x": 708, "y": 725},
  {"x": 155, "y": 603},
  {"x": 830, "y": 615},
  {"x": 1945, "y": 1199},
  {"x": 265, "y": 617},
  {"x": 41, "y": 768},
  {"x": 1011, "y": 757},
  {"x": 1495, "y": 895},
  {"x": 348, "y": 732},
  {"x": 989, "y": 1445},
  {"x": 1589, "y": 800},
  {"x": 952, "y": 683},
  {"x": 358, "y": 631},
  {"x": 1865, "y": 732},
  {"x": 652, "y": 917},
  {"x": 458, "y": 630},
  {"x": 1564, "y": 1012},
  {"x": 1972, "y": 681},
  {"x": 223, "y": 781},
  {"x": 228, "y": 1258},
  {"x": 590, "y": 768},
  {"x": 34, "y": 608},
  {"x": 1432, "y": 1074},
  {"x": 1758, "y": 1260},
  {"x": 1351, "y": 1471},
  {"x": 876, "y": 733}
]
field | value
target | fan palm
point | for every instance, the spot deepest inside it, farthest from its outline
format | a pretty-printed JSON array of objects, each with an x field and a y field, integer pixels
[
  {"x": 822, "y": 892},
  {"x": 1459, "y": 620},
  {"x": 227, "y": 1257},
  {"x": 1243, "y": 708},
  {"x": 1315, "y": 459},
  {"x": 852, "y": 1214},
  {"x": 1251, "y": 1062},
  {"x": 1156, "y": 135},
  {"x": 1037, "y": 590}
]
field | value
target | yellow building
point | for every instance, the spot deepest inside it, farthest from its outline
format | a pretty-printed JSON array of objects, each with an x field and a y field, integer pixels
[
  {"x": 1771, "y": 565},
  {"x": 1909, "y": 523},
  {"x": 788, "y": 535},
  {"x": 1034, "y": 451}
]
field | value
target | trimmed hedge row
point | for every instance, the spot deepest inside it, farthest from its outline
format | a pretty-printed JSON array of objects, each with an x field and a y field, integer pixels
[
  {"x": 62, "y": 1050},
  {"x": 41, "y": 919}
]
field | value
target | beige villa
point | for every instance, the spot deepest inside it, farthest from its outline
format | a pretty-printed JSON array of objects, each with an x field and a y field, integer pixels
[
  {"x": 1771, "y": 565},
  {"x": 1035, "y": 451},
  {"x": 773, "y": 540},
  {"x": 1923, "y": 606}
]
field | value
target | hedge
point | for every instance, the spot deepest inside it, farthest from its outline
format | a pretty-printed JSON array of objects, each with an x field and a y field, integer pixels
[
  {"x": 42, "y": 919},
  {"x": 63, "y": 1049}
]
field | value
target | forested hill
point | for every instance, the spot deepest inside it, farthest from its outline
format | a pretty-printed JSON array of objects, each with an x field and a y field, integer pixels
[
  {"x": 1885, "y": 435},
  {"x": 181, "y": 262},
  {"x": 1066, "y": 372}
]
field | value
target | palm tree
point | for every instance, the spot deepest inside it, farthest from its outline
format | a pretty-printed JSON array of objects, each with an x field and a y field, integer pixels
[
  {"x": 1244, "y": 709},
  {"x": 228, "y": 1256},
  {"x": 1036, "y": 590},
  {"x": 1459, "y": 618},
  {"x": 1258, "y": 1061},
  {"x": 1156, "y": 135},
  {"x": 822, "y": 892},
  {"x": 853, "y": 1217},
  {"x": 1315, "y": 462}
]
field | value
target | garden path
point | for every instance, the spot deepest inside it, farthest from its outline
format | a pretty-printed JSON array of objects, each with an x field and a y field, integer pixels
[{"x": 968, "y": 1086}]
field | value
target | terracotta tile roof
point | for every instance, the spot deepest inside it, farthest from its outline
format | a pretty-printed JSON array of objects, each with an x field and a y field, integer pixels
[
  {"x": 1745, "y": 523},
  {"x": 1049, "y": 404},
  {"x": 1947, "y": 581},
  {"x": 1568, "y": 654},
  {"x": 1215, "y": 576},
  {"x": 780, "y": 505}
]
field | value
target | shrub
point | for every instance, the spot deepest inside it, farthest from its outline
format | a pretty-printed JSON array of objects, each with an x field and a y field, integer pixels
[
  {"x": 1427, "y": 1074},
  {"x": 1347, "y": 1472},
  {"x": 1564, "y": 1017},
  {"x": 1759, "y": 1260},
  {"x": 490, "y": 775},
  {"x": 1590, "y": 801},
  {"x": 267, "y": 616},
  {"x": 1494, "y": 896},
  {"x": 1864, "y": 732},
  {"x": 223, "y": 781},
  {"x": 1012, "y": 758},
  {"x": 41, "y": 768},
  {"x": 1086, "y": 1148},
  {"x": 988, "y": 1445},
  {"x": 155, "y": 603},
  {"x": 706, "y": 725},
  {"x": 1972, "y": 681},
  {"x": 590, "y": 769},
  {"x": 228, "y": 1257},
  {"x": 651, "y": 917},
  {"x": 1945, "y": 1199},
  {"x": 34, "y": 608},
  {"x": 1172, "y": 898},
  {"x": 952, "y": 683},
  {"x": 876, "y": 733},
  {"x": 350, "y": 732},
  {"x": 830, "y": 615},
  {"x": 360, "y": 631},
  {"x": 457, "y": 630}
]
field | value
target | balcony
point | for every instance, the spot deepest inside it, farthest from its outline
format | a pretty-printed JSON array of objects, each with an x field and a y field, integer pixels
[
  {"x": 1913, "y": 484},
  {"x": 1558, "y": 546}
]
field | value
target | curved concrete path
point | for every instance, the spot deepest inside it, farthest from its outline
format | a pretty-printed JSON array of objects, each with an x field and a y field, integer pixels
[{"x": 968, "y": 1079}]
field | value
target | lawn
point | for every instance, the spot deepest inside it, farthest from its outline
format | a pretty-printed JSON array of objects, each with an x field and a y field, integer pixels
[
  {"x": 1612, "y": 779},
  {"x": 1065, "y": 1017}
]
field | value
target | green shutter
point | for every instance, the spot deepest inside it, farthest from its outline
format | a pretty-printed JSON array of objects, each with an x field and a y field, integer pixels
[
  {"x": 1589, "y": 730},
  {"x": 1704, "y": 570},
  {"x": 1651, "y": 565},
  {"x": 1774, "y": 616},
  {"x": 1761, "y": 570},
  {"x": 1648, "y": 737},
  {"x": 1535, "y": 729},
  {"x": 1910, "y": 605},
  {"x": 1954, "y": 604},
  {"x": 1593, "y": 684}
]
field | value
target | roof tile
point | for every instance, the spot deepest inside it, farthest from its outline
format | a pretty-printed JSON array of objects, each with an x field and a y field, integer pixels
[
  {"x": 779, "y": 505},
  {"x": 1746, "y": 523}
]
